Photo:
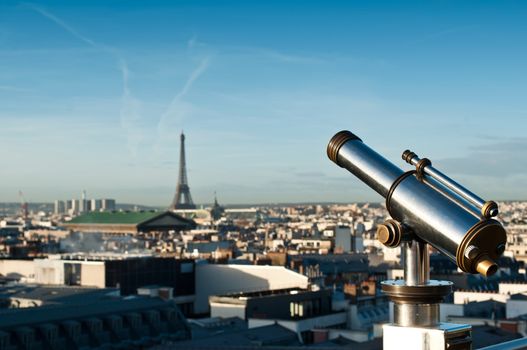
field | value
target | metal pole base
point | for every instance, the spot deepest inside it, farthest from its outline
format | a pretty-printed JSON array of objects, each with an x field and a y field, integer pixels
[
  {"x": 416, "y": 315},
  {"x": 416, "y": 306}
]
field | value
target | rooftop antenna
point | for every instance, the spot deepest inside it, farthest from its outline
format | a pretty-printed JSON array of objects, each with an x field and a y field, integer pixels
[{"x": 24, "y": 207}]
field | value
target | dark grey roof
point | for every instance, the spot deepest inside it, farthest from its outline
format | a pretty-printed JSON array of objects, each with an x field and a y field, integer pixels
[
  {"x": 271, "y": 293},
  {"x": 345, "y": 343},
  {"x": 213, "y": 326},
  {"x": 518, "y": 297},
  {"x": 342, "y": 266},
  {"x": 487, "y": 335},
  {"x": 57, "y": 294},
  {"x": 330, "y": 264},
  {"x": 272, "y": 335},
  {"x": 10, "y": 318},
  {"x": 208, "y": 247},
  {"x": 332, "y": 257}
]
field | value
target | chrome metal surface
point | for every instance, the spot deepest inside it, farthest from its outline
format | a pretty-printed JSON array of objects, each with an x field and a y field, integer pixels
[
  {"x": 415, "y": 315},
  {"x": 439, "y": 211},
  {"x": 416, "y": 263},
  {"x": 369, "y": 166},
  {"x": 431, "y": 215},
  {"x": 453, "y": 196},
  {"x": 432, "y": 292},
  {"x": 451, "y": 184}
]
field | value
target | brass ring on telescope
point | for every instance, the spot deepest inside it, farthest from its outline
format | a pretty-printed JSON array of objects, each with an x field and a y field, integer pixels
[
  {"x": 420, "y": 167},
  {"x": 487, "y": 208},
  {"x": 392, "y": 189},
  {"x": 337, "y": 142}
]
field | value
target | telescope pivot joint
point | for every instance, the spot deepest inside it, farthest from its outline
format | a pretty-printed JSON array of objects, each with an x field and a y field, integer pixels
[{"x": 391, "y": 233}]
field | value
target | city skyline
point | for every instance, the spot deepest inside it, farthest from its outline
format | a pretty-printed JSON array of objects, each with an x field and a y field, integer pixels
[{"x": 95, "y": 95}]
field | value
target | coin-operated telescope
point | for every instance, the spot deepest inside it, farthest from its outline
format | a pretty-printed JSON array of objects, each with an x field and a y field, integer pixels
[{"x": 426, "y": 207}]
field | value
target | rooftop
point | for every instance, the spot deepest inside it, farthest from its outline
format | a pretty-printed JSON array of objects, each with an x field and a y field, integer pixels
[
  {"x": 11, "y": 318},
  {"x": 208, "y": 327},
  {"x": 118, "y": 217},
  {"x": 519, "y": 296},
  {"x": 58, "y": 295},
  {"x": 272, "y": 335},
  {"x": 264, "y": 293},
  {"x": 104, "y": 256}
]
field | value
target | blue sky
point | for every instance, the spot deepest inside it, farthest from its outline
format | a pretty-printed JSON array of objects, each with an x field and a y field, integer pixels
[{"x": 94, "y": 95}]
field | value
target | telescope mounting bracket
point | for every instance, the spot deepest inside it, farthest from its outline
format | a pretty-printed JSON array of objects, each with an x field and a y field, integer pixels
[{"x": 416, "y": 298}]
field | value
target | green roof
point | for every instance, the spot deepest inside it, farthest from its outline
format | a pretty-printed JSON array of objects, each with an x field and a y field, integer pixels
[{"x": 117, "y": 218}]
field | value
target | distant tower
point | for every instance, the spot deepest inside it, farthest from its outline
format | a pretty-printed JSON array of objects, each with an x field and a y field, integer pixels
[
  {"x": 83, "y": 207},
  {"x": 217, "y": 210},
  {"x": 182, "y": 199}
]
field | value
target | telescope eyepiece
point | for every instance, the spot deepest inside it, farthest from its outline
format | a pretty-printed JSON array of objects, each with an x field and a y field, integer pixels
[
  {"x": 489, "y": 209},
  {"x": 408, "y": 155},
  {"x": 486, "y": 267}
]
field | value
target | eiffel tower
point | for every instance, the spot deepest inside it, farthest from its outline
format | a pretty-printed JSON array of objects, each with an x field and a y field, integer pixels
[{"x": 182, "y": 199}]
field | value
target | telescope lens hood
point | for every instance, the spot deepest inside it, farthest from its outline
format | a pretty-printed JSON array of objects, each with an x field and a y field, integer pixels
[{"x": 336, "y": 143}]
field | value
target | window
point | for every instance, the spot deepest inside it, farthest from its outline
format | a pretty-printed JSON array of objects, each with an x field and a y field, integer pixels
[{"x": 187, "y": 267}]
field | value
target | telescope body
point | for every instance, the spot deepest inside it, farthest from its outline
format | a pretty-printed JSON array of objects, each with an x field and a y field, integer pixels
[{"x": 433, "y": 212}]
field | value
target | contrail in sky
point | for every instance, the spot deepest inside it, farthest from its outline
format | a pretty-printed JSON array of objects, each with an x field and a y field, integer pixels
[
  {"x": 61, "y": 23},
  {"x": 129, "y": 113},
  {"x": 176, "y": 100}
]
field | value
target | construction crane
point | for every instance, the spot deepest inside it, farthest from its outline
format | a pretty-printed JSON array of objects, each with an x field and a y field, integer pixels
[{"x": 23, "y": 205}]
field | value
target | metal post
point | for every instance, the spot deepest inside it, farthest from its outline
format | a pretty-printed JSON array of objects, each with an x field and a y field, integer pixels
[{"x": 416, "y": 263}]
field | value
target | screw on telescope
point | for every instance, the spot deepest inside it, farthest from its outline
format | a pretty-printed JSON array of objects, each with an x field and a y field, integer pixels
[{"x": 472, "y": 252}]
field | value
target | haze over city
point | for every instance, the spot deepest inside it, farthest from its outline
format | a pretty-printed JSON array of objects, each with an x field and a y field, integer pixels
[{"x": 94, "y": 95}]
